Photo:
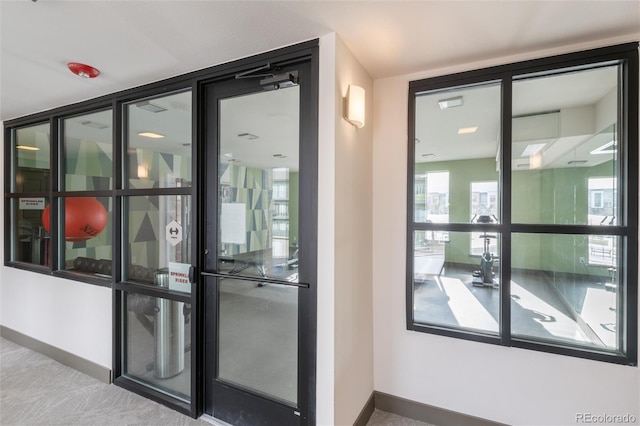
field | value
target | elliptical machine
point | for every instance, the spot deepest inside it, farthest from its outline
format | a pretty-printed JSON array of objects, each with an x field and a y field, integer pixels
[{"x": 485, "y": 277}]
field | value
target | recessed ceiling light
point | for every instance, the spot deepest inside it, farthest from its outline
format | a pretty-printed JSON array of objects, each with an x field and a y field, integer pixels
[
  {"x": 151, "y": 107},
  {"x": 247, "y": 136},
  {"x": 279, "y": 155},
  {"x": 451, "y": 102},
  {"x": 151, "y": 135},
  {"x": 603, "y": 149},
  {"x": 577, "y": 162},
  {"x": 532, "y": 149},
  {"x": 28, "y": 148},
  {"x": 94, "y": 124},
  {"x": 428, "y": 155},
  {"x": 466, "y": 130}
]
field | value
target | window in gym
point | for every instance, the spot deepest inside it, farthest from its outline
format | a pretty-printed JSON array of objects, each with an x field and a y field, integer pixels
[{"x": 542, "y": 205}]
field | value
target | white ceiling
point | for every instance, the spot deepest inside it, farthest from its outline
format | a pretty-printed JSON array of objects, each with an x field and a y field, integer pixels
[{"x": 136, "y": 42}]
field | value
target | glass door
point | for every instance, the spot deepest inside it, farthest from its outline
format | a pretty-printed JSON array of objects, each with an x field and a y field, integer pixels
[{"x": 256, "y": 265}]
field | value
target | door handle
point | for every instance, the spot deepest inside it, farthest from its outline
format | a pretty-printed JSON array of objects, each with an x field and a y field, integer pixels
[{"x": 192, "y": 274}]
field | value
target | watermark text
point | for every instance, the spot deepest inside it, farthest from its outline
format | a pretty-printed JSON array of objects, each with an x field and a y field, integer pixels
[{"x": 591, "y": 418}]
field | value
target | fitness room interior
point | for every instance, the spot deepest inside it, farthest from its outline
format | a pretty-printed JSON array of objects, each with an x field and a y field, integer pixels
[{"x": 306, "y": 228}]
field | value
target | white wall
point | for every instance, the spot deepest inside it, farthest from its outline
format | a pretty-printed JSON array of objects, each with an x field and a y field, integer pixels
[
  {"x": 503, "y": 384},
  {"x": 353, "y": 280},
  {"x": 69, "y": 315},
  {"x": 345, "y": 327},
  {"x": 326, "y": 231}
]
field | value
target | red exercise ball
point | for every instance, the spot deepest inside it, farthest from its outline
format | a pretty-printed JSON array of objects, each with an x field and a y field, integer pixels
[{"x": 84, "y": 218}]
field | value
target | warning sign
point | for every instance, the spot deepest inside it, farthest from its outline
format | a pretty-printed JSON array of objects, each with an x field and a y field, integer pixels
[
  {"x": 179, "y": 277},
  {"x": 174, "y": 233},
  {"x": 31, "y": 204}
]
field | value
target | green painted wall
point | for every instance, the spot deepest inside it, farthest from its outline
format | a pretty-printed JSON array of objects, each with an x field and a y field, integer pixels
[
  {"x": 546, "y": 196},
  {"x": 461, "y": 174}
]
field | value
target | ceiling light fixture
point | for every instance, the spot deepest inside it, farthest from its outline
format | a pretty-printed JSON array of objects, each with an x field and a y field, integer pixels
[
  {"x": 94, "y": 124},
  {"x": 248, "y": 136},
  {"x": 83, "y": 70},
  {"x": 28, "y": 148},
  {"x": 532, "y": 149},
  {"x": 151, "y": 135},
  {"x": 451, "y": 102},
  {"x": 603, "y": 149},
  {"x": 151, "y": 107},
  {"x": 467, "y": 130},
  {"x": 279, "y": 156},
  {"x": 577, "y": 162},
  {"x": 428, "y": 155}
]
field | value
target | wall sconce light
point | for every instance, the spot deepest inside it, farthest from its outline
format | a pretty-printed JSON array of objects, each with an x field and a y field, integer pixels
[
  {"x": 143, "y": 171},
  {"x": 354, "y": 106}
]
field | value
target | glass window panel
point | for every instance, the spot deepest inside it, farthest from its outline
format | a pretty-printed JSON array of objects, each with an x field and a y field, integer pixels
[
  {"x": 559, "y": 295},
  {"x": 87, "y": 234},
  {"x": 456, "y": 142},
  {"x": 158, "y": 232},
  {"x": 88, "y": 152},
  {"x": 258, "y": 337},
  {"x": 32, "y": 158},
  {"x": 31, "y": 240},
  {"x": 159, "y": 142},
  {"x": 564, "y": 149},
  {"x": 452, "y": 288},
  {"x": 157, "y": 344},
  {"x": 259, "y": 181}
]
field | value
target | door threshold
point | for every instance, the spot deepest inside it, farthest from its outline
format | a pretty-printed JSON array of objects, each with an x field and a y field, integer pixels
[{"x": 210, "y": 419}]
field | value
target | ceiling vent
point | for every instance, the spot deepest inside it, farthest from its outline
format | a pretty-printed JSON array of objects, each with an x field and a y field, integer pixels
[{"x": 151, "y": 107}]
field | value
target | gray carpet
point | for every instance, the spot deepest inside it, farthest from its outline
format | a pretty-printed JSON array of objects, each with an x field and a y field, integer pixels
[{"x": 36, "y": 390}]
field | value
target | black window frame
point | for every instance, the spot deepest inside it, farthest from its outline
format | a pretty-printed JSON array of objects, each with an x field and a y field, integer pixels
[
  {"x": 625, "y": 55},
  {"x": 307, "y": 51}
]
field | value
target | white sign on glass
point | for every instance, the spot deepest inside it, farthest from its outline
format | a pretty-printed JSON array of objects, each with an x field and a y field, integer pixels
[
  {"x": 174, "y": 233},
  {"x": 179, "y": 277},
  {"x": 233, "y": 223}
]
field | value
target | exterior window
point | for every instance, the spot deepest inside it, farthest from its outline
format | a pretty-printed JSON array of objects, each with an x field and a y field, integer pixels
[{"x": 542, "y": 187}]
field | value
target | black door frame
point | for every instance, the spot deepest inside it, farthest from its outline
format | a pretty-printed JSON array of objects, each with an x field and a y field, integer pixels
[
  {"x": 208, "y": 93},
  {"x": 307, "y": 51}
]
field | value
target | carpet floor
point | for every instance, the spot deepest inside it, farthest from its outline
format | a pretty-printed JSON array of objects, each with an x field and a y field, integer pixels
[{"x": 36, "y": 390}]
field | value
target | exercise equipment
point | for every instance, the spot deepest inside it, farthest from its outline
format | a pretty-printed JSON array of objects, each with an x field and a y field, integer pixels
[
  {"x": 485, "y": 275},
  {"x": 84, "y": 218}
]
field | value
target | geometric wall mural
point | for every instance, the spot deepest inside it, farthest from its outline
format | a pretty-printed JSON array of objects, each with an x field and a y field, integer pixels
[{"x": 253, "y": 187}]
